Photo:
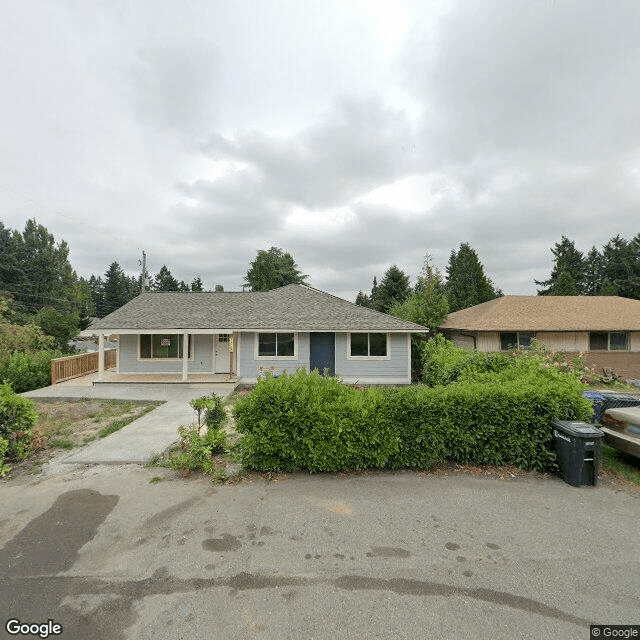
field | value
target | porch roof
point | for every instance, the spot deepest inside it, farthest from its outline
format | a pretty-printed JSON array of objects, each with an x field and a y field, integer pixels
[{"x": 292, "y": 308}]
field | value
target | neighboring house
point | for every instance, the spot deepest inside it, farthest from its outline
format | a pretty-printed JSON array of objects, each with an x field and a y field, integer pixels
[
  {"x": 605, "y": 328},
  {"x": 243, "y": 334}
]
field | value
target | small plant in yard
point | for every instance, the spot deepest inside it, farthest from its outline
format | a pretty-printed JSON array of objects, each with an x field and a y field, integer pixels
[
  {"x": 210, "y": 411},
  {"x": 156, "y": 479},
  {"x": 197, "y": 451}
]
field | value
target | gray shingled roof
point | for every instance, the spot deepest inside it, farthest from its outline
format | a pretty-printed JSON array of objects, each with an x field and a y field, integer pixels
[
  {"x": 293, "y": 307},
  {"x": 549, "y": 313}
]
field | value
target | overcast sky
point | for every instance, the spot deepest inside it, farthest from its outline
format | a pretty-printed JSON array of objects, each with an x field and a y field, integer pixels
[{"x": 354, "y": 134}]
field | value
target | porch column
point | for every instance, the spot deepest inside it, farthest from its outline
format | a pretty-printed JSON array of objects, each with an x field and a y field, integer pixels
[
  {"x": 101, "y": 357},
  {"x": 185, "y": 356}
]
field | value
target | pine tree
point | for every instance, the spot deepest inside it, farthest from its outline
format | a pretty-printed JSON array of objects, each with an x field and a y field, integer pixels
[
  {"x": 592, "y": 273},
  {"x": 568, "y": 259},
  {"x": 196, "y": 284},
  {"x": 467, "y": 284},
  {"x": 394, "y": 287},
  {"x": 164, "y": 281},
  {"x": 115, "y": 290}
]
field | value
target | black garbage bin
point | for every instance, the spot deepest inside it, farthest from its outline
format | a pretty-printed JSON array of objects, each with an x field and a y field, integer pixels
[{"x": 578, "y": 447}]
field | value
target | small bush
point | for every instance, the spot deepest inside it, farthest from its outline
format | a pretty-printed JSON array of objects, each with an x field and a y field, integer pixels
[
  {"x": 197, "y": 451},
  {"x": 210, "y": 410},
  {"x": 18, "y": 415}
]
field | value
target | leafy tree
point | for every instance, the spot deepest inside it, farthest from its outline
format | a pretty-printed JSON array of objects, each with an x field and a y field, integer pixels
[
  {"x": 219, "y": 288},
  {"x": 272, "y": 269},
  {"x": 394, "y": 287},
  {"x": 196, "y": 284},
  {"x": 61, "y": 326},
  {"x": 467, "y": 284}
]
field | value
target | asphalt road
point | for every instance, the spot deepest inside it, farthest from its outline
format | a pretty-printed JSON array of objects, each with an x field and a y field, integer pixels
[{"x": 106, "y": 554}]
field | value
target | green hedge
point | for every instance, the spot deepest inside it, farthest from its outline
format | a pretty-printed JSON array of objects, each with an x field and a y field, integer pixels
[{"x": 308, "y": 421}]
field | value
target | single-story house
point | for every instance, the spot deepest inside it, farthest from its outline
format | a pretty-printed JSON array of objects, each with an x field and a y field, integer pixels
[
  {"x": 605, "y": 328},
  {"x": 245, "y": 334}
]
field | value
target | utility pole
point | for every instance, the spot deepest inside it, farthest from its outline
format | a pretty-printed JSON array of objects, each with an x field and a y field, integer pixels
[{"x": 144, "y": 278}]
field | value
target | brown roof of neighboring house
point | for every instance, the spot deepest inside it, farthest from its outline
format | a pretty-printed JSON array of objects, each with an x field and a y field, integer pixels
[
  {"x": 549, "y": 313},
  {"x": 290, "y": 308}
]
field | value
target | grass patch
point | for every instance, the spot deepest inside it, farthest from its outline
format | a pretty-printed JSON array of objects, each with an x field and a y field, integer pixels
[
  {"x": 61, "y": 443},
  {"x": 156, "y": 479},
  {"x": 116, "y": 425},
  {"x": 621, "y": 464}
]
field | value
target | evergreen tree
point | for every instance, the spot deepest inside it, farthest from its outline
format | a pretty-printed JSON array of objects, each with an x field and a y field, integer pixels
[
  {"x": 620, "y": 266},
  {"x": 96, "y": 287},
  {"x": 592, "y": 273},
  {"x": 565, "y": 285},
  {"x": 219, "y": 288},
  {"x": 196, "y": 284},
  {"x": 363, "y": 299},
  {"x": 567, "y": 259},
  {"x": 115, "y": 290},
  {"x": 394, "y": 287},
  {"x": 272, "y": 269},
  {"x": 467, "y": 284},
  {"x": 164, "y": 281}
]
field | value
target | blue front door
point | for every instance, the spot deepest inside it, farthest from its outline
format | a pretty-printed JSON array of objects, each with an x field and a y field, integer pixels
[{"x": 322, "y": 349}]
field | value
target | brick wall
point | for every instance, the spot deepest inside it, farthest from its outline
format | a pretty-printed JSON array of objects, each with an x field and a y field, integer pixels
[{"x": 625, "y": 364}]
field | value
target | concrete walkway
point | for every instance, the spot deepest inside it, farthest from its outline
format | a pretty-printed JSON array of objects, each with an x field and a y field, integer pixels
[{"x": 145, "y": 437}]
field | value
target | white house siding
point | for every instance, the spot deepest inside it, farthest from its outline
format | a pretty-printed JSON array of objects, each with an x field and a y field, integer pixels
[
  {"x": 128, "y": 361},
  {"x": 248, "y": 364},
  {"x": 394, "y": 370},
  {"x": 488, "y": 341},
  {"x": 564, "y": 340}
]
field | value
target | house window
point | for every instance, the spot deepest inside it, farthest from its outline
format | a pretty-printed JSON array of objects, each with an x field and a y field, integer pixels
[
  {"x": 223, "y": 337},
  {"x": 608, "y": 341},
  {"x": 515, "y": 340},
  {"x": 368, "y": 345},
  {"x": 162, "y": 345},
  {"x": 276, "y": 345}
]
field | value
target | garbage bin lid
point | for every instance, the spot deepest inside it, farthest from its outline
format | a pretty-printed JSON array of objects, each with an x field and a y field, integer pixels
[{"x": 578, "y": 429}]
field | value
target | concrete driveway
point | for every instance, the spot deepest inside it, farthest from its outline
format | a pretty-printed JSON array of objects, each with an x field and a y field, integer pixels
[
  {"x": 109, "y": 555},
  {"x": 139, "y": 441}
]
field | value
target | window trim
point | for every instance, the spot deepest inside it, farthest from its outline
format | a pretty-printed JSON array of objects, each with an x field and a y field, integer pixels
[
  {"x": 608, "y": 333},
  {"x": 191, "y": 339},
  {"x": 517, "y": 346},
  {"x": 369, "y": 357},
  {"x": 256, "y": 346}
]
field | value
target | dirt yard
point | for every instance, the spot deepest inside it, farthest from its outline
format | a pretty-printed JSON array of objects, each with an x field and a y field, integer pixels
[{"x": 67, "y": 424}]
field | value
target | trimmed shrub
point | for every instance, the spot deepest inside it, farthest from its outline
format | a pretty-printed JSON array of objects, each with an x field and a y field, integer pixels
[{"x": 308, "y": 421}]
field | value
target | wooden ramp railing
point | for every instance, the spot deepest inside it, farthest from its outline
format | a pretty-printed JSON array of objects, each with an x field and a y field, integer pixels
[{"x": 75, "y": 366}]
